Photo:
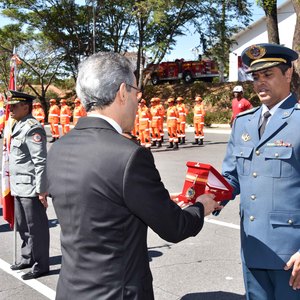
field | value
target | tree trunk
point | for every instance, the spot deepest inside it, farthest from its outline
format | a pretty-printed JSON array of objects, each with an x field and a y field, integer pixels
[
  {"x": 270, "y": 9},
  {"x": 296, "y": 47}
]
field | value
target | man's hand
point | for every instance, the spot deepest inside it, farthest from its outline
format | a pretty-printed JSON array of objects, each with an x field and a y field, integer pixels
[
  {"x": 43, "y": 199},
  {"x": 294, "y": 263},
  {"x": 208, "y": 202}
]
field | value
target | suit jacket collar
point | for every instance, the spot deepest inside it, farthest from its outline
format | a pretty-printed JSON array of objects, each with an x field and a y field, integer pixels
[
  {"x": 93, "y": 122},
  {"x": 276, "y": 123}
]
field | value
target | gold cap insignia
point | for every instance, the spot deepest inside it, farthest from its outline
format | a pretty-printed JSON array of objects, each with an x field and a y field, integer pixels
[{"x": 256, "y": 52}]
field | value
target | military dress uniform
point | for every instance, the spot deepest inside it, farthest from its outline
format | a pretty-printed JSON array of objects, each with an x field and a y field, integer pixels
[
  {"x": 27, "y": 168},
  {"x": 265, "y": 171}
]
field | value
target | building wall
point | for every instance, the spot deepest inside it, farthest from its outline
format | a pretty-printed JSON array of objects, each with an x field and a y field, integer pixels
[{"x": 257, "y": 33}]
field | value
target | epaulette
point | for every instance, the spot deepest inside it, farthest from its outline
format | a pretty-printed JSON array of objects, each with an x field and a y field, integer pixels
[
  {"x": 248, "y": 112},
  {"x": 32, "y": 122},
  {"x": 297, "y": 106}
]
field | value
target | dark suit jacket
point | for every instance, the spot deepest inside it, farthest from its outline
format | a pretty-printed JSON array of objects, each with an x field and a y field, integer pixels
[{"x": 106, "y": 191}]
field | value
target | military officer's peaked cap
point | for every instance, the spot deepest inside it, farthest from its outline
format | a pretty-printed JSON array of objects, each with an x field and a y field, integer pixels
[
  {"x": 14, "y": 97},
  {"x": 263, "y": 56}
]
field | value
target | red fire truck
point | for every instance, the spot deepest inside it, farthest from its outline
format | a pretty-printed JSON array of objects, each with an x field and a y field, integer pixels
[{"x": 188, "y": 71}]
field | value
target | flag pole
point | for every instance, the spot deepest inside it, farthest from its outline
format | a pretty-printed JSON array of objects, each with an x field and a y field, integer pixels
[{"x": 15, "y": 227}]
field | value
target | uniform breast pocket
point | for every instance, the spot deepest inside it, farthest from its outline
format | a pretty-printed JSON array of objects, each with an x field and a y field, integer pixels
[
  {"x": 278, "y": 161},
  {"x": 16, "y": 147},
  {"x": 243, "y": 158}
]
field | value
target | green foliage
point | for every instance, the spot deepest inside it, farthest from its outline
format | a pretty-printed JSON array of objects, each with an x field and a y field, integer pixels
[
  {"x": 217, "y": 117},
  {"x": 222, "y": 19}
]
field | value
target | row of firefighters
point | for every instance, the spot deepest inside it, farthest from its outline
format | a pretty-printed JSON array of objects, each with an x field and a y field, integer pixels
[
  {"x": 148, "y": 126},
  {"x": 59, "y": 115}
]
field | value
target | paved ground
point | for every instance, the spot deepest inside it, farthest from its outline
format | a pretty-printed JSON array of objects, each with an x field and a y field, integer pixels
[{"x": 204, "y": 267}]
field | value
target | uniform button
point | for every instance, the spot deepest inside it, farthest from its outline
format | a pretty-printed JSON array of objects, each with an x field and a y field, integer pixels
[
  {"x": 276, "y": 155},
  {"x": 251, "y": 218},
  {"x": 290, "y": 222},
  {"x": 253, "y": 197},
  {"x": 254, "y": 174},
  {"x": 257, "y": 152},
  {"x": 241, "y": 153}
]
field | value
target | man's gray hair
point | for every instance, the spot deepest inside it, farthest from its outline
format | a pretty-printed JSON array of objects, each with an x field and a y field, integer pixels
[{"x": 99, "y": 79}]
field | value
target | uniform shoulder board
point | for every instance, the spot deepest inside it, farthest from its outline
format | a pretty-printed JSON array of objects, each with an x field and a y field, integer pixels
[
  {"x": 297, "y": 106},
  {"x": 248, "y": 112},
  {"x": 32, "y": 122}
]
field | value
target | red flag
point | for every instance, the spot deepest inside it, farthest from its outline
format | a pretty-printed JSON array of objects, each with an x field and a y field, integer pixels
[{"x": 7, "y": 198}]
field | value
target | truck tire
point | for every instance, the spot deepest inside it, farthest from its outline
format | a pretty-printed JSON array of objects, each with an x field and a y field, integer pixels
[
  {"x": 187, "y": 77},
  {"x": 154, "y": 79}
]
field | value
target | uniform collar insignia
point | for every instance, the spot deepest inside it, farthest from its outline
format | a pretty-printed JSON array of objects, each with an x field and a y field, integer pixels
[{"x": 246, "y": 137}]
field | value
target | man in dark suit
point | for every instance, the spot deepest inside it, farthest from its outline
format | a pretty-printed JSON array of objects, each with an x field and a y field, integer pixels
[
  {"x": 262, "y": 163},
  {"x": 106, "y": 191}
]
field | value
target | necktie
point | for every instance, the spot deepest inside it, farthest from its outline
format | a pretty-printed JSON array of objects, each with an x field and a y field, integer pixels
[{"x": 264, "y": 123}]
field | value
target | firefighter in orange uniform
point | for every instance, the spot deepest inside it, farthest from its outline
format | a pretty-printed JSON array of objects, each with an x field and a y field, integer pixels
[
  {"x": 144, "y": 124},
  {"x": 135, "y": 130},
  {"x": 78, "y": 111},
  {"x": 172, "y": 116},
  {"x": 182, "y": 112},
  {"x": 34, "y": 109},
  {"x": 199, "y": 114},
  {"x": 53, "y": 119},
  {"x": 65, "y": 115},
  {"x": 155, "y": 123},
  {"x": 39, "y": 113},
  {"x": 161, "y": 120}
]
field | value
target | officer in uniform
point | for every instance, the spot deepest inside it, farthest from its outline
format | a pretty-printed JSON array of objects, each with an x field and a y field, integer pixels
[
  {"x": 27, "y": 167},
  {"x": 262, "y": 164}
]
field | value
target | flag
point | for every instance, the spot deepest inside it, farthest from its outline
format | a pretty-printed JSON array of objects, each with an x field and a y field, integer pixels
[
  {"x": 2, "y": 117},
  {"x": 7, "y": 199}
]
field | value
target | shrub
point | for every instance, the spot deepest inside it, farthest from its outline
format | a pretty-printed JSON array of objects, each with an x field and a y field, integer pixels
[{"x": 217, "y": 117}]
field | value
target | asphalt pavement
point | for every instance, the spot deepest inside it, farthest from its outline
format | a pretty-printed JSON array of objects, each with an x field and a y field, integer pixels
[{"x": 205, "y": 267}]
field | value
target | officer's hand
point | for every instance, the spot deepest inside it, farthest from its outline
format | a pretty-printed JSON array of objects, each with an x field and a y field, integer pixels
[
  {"x": 174, "y": 196},
  {"x": 208, "y": 202},
  {"x": 294, "y": 263},
  {"x": 43, "y": 199}
]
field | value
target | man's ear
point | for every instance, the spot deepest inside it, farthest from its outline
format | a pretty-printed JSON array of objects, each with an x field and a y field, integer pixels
[
  {"x": 289, "y": 74},
  {"x": 123, "y": 93}
]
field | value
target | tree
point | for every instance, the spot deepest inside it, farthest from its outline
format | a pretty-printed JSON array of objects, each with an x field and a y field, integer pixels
[
  {"x": 219, "y": 21},
  {"x": 270, "y": 9},
  {"x": 10, "y": 36}
]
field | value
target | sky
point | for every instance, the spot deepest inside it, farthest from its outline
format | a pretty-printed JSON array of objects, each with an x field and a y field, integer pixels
[{"x": 185, "y": 44}]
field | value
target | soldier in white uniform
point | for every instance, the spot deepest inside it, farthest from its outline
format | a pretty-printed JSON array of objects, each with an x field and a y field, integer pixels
[{"x": 27, "y": 161}]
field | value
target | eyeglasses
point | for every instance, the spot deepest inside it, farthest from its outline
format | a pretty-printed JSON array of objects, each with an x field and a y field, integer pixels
[{"x": 139, "y": 92}]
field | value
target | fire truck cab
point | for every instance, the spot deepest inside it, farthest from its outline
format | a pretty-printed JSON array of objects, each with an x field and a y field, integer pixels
[{"x": 188, "y": 71}]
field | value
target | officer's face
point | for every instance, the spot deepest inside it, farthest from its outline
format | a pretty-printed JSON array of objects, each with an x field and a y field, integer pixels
[
  {"x": 271, "y": 85},
  {"x": 19, "y": 111}
]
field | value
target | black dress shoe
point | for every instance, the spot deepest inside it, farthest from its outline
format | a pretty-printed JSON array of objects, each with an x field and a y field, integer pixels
[
  {"x": 20, "y": 266},
  {"x": 33, "y": 275}
]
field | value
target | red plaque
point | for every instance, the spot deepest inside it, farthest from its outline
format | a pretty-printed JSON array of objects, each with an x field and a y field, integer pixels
[{"x": 203, "y": 178}]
